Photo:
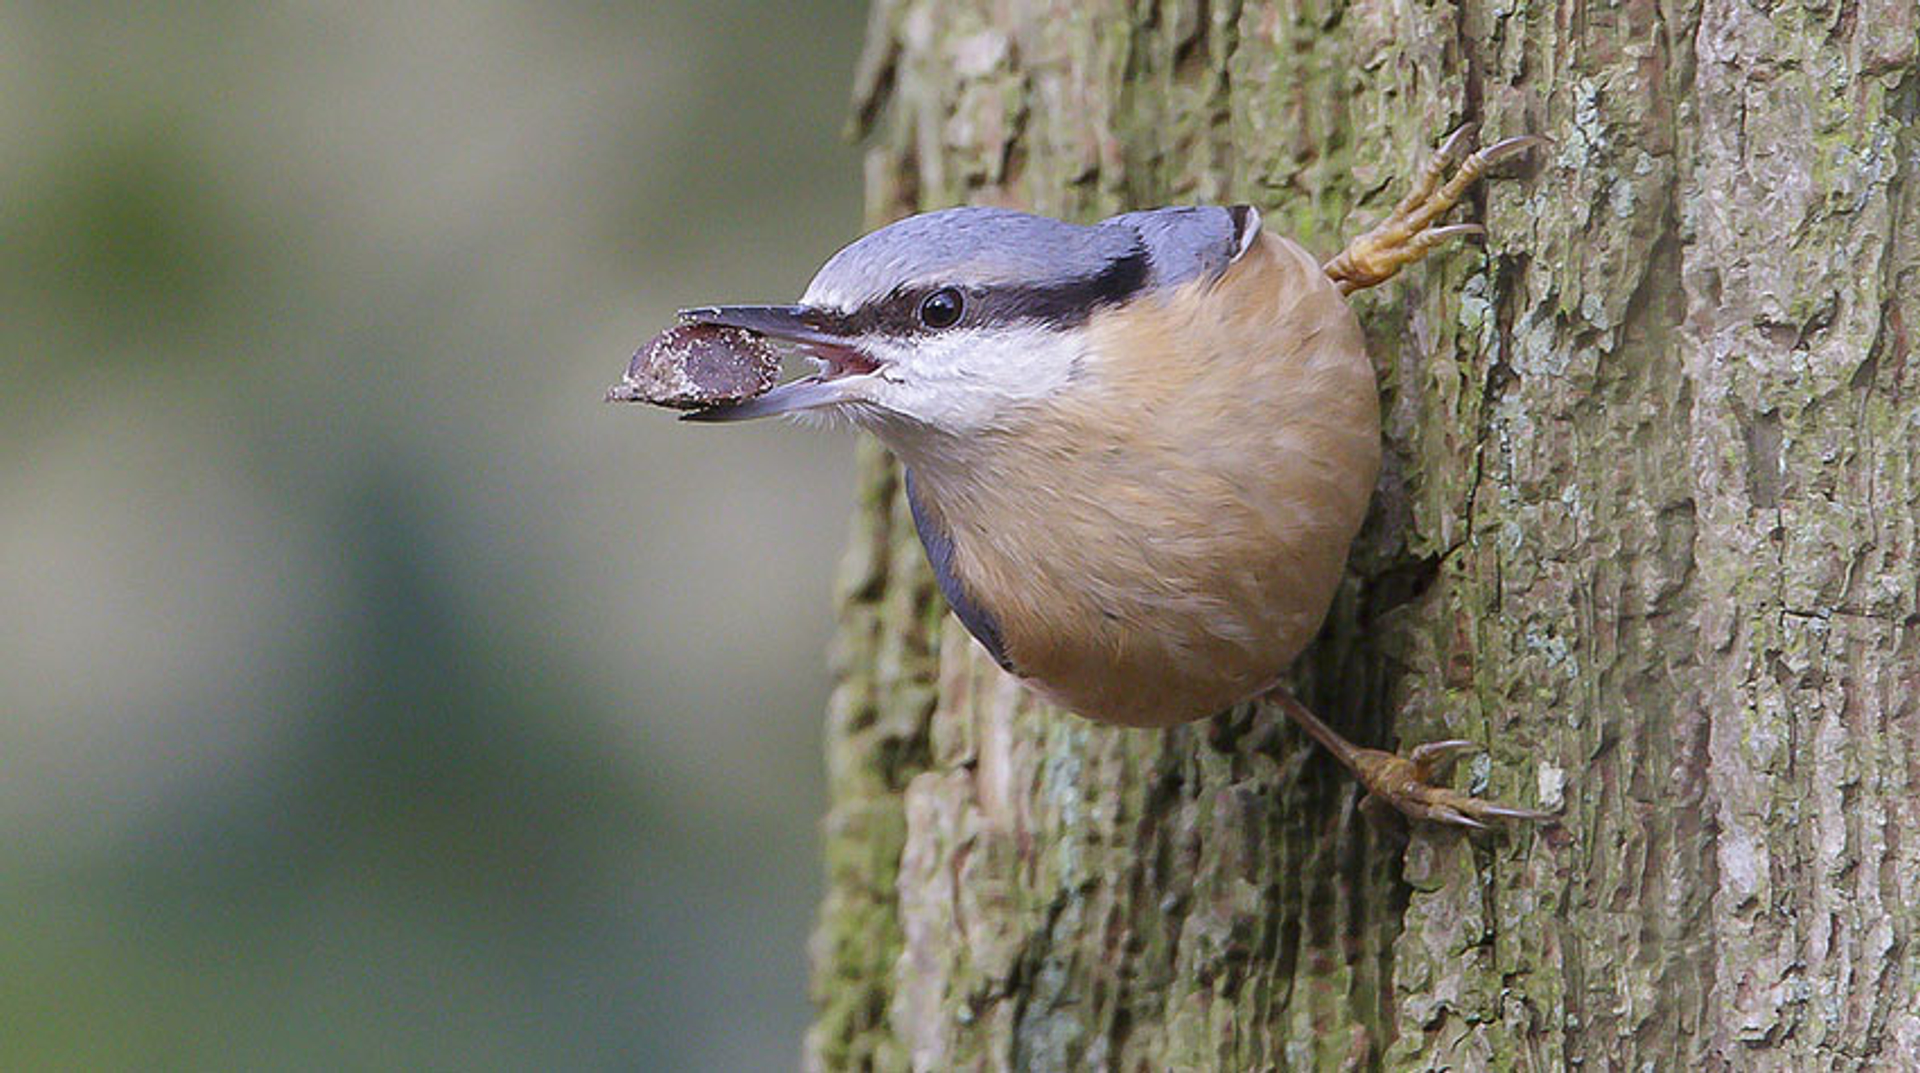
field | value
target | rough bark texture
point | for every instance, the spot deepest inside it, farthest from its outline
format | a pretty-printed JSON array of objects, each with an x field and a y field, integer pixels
[{"x": 1647, "y": 529}]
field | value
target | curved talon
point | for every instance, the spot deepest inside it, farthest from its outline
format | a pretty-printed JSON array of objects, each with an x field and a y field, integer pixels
[
  {"x": 1460, "y": 136},
  {"x": 1511, "y": 147},
  {"x": 1434, "y": 758},
  {"x": 1433, "y": 236}
]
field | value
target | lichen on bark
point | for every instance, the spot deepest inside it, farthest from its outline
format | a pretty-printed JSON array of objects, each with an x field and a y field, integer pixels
[{"x": 1647, "y": 528}]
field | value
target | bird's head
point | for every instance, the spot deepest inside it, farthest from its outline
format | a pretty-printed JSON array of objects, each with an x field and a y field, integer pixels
[{"x": 945, "y": 321}]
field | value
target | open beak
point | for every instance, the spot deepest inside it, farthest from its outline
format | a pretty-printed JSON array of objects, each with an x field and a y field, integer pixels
[{"x": 814, "y": 332}]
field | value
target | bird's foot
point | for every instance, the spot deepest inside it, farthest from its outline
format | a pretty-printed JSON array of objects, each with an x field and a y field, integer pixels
[
  {"x": 1408, "y": 783},
  {"x": 1408, "y": 233}
]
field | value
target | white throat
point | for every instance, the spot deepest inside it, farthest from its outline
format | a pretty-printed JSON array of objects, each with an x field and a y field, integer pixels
[{"x": 966, "y": 381}]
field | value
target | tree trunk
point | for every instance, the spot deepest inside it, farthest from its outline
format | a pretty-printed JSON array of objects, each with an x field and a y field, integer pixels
[{"x": 1647, "y": 528}]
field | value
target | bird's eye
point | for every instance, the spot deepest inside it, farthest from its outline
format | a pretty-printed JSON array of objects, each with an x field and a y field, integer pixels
[{"x": 941, "y": 309}]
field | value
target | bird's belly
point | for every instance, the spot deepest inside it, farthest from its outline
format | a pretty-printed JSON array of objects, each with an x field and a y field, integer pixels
[
  {"x": 1189, "y": 643},
  {"x": 1157, "y": 601}
]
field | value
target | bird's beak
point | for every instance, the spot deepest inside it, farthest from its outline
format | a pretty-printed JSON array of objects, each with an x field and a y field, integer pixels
[{"x": 815, "y": 332}]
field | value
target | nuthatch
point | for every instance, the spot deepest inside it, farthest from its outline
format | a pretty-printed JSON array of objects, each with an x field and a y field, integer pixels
[{"x": 1137, "y": 451}]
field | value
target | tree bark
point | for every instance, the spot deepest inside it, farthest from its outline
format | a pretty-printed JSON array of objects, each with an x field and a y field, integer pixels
[{"x": 1647, "y": 528}]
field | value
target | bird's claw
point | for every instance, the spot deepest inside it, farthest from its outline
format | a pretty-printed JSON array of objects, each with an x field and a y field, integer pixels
[
  {"x": 1408, "y": 783},
  {"x": 1408, "y": 233}
]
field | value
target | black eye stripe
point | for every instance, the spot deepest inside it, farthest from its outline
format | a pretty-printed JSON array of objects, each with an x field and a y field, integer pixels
[
  {"x": 1068, "y": 304},
  {"x": 1063, "y": 304}
]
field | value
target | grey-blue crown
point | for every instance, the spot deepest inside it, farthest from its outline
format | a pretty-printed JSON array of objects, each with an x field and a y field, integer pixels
[{"x": 989, "y": 248}]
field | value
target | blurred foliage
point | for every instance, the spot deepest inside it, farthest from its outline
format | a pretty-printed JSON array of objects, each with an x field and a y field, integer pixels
[{"x": 375, "y": 696}]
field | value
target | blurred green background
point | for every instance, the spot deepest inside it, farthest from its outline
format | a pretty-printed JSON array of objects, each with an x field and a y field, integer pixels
[{"x": 376, "y": 696}]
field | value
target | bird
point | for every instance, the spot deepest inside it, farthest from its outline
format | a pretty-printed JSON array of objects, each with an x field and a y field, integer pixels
[{"x": 1136, "y": 451}]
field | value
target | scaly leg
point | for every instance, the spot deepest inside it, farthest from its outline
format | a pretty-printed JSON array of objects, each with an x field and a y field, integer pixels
[
  {"x": 1407, "y": 233},
  {"x": 1406, "y": 782}
]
